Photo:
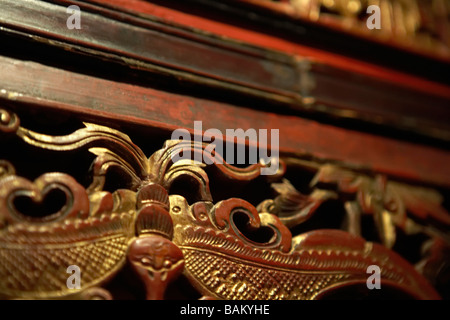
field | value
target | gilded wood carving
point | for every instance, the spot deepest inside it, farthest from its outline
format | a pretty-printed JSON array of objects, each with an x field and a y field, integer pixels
[
  {"x": 416, "y": 23},
  {"x": 161, "y": 236}
]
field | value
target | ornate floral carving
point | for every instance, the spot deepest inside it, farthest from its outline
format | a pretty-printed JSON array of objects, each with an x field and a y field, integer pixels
[
  {"x": 36, "y": 252},
  {"x": 228, "y": 250},
  {"x": 392, "y": 204},
  {"x": 222, "y": 262}
]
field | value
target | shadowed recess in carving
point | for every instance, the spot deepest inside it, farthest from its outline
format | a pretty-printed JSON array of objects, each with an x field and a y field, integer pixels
[
  {"x": 259, "y": 235},
  {"x": 52, "y": 204}
]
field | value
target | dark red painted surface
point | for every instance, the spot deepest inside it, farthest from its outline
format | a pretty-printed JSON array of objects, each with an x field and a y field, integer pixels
[
  {"x": 208, "y": 61},
  {"x": 275, "y": 43},
  {"x": 79, "y": 94}
]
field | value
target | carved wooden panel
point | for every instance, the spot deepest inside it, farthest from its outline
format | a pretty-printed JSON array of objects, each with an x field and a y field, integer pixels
[
  {"x": 95, "y": 202},
  {"x": 227, "y": 249}
]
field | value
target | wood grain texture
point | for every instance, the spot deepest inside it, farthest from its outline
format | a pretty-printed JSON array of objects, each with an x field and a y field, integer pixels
[
  {"x": 79, "y": 94},
  {"x": 207, "y": 25},
  {"x": 299, "y": 84}
]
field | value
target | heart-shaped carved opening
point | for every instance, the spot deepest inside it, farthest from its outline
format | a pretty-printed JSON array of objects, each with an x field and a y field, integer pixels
[
  {"x": 262, "y": 235},
  {"x": 52, "y": 205}
]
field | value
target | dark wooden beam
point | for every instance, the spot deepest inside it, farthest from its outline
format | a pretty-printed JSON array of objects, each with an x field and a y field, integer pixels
[
  {"x": 300, "y": 84},
  {"x": 87, "y": 97}
]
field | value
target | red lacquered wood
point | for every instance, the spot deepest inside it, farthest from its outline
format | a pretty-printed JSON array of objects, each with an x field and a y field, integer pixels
[
  {"x": 275, "y": 43},
  {"x": 79, "y": 94}
]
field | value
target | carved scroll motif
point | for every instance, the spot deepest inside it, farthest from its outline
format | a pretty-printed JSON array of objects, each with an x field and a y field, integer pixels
[
  {"x": 292, "y": 207},
  {"x": 9, "y": 121},
  {"x": 392, "y": 204},
  {"x": 223, "y": 262},
  {"x": 227, "y": 250}
]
